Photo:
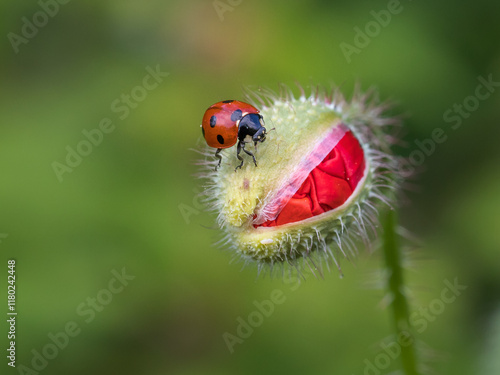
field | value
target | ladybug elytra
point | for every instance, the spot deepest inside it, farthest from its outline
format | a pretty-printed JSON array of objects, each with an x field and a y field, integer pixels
[{"x": 231, "y": 121}]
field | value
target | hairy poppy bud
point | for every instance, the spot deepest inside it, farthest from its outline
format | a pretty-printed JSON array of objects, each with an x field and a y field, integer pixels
[{"x": 323, "y": 170}]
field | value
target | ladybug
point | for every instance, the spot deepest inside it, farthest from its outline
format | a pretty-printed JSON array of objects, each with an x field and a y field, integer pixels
[{"x": 231, "y": 121}]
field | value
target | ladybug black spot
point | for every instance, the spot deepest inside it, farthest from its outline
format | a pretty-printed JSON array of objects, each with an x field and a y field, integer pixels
[
  {"x": 227, "y": 101},
  {"x": 236, "y": 115},
  {"x": 220, "y": 139},
  {"x": 213, "y": 120}
]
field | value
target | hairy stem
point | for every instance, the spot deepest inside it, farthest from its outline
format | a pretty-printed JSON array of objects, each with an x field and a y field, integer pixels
[{"x": 395, "y": 284}]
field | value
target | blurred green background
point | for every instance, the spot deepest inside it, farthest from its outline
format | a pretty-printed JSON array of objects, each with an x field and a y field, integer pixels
[{"x": 131, "y": 202}]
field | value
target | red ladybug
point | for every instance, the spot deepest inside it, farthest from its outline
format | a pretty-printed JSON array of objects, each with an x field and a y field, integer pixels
[{"x": 229, "y": 121}]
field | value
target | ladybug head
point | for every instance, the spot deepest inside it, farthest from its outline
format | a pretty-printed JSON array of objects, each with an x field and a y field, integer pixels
[
  {"x": 260, "y": 136},
  {"x": 252, "y": 127}
]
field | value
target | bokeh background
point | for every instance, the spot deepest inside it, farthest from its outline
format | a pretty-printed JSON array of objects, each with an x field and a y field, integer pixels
[{"x": 132, "y": 201}]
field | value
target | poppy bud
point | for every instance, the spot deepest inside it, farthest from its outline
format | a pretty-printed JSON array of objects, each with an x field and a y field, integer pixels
[{"x": 323, "y": 171}]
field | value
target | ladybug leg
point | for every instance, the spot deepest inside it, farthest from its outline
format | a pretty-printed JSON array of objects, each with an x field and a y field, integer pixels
[
  {"x": 238, "y": 148},
  {"x": 249, "y": 153},
  {"x": 217, "y": 155}
]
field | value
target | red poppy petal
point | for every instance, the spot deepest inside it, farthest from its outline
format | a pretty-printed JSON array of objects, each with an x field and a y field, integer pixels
[{"x": 328, "y": 186}]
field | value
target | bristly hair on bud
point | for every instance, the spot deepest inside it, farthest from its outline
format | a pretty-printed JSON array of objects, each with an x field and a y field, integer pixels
[{"x": 322, "y": 177}]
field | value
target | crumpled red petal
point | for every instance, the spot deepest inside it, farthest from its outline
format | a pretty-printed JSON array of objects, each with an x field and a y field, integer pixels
[{"x": 328, "y": 186}]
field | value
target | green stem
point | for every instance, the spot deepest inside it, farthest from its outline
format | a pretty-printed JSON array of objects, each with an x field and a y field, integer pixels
[{"x": 395, "y": 284}]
